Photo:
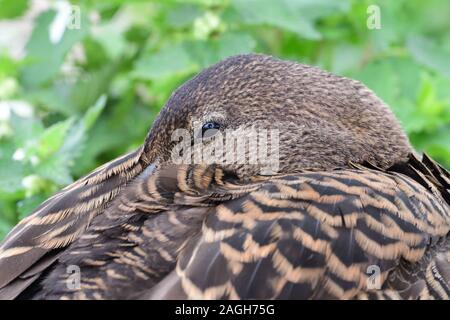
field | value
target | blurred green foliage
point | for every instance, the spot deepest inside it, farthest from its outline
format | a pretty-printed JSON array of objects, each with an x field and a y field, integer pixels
[{"x": 81, "y": 98}]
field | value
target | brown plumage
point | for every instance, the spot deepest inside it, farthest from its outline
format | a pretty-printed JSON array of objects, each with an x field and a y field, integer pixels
[{"x": 349, "y": 195}]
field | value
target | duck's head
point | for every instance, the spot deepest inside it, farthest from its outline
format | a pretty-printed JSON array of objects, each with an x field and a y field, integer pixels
[{"x": 322, "y": 121}]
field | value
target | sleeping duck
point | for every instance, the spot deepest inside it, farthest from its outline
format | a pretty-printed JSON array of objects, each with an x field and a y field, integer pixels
[{"x": 343, "y": 208}]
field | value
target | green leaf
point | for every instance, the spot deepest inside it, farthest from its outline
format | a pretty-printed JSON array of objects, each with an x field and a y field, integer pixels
[
  {"x": 56, "y": 169},
  {"x": 428, "y": 53},
  {"x": 88, "y": 90},
  {"x": 12, "y": 9},
  {"x": 409, "y": 76},
  {"x": 317, "y": 9},
  {"x": 8, "y": 66},
  {"x": 169, "y": 61},
  {"x": 206, "y": 53},
  {"x": 46, "y": 57},
  {"x": 276, "y": 13},
  {"x": 235, "y": 43},
  {"x": 381, "y": 77},
  {"x": 11, "y": 172},
  {"x": 110, "y": 36},
  {"x": 53, "y": 138},
  {"x": 94, "y": 112},
  {"x": 75, "y": 140},
  {"x": 183, "y": 15},
  {"x": 52, "y": 99},
  {"x": 25, "y": 129},
  {"x": 96, "y": 55}
]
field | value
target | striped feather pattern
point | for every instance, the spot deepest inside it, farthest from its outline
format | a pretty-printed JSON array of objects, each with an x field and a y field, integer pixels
[
  {"x": 62, "y": 219},
  {"x": 199, "y": 233},
  {"x": 316, "y": 235}
]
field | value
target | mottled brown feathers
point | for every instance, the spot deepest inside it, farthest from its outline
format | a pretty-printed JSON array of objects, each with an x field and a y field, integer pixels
[
  {"x": 314, "y": 235},
  {"x": 350, "y": 198},
  {"x": 62, "y": 218},
  {"x": 292, "y": 236},
  {"x": 325, "y": 121}
]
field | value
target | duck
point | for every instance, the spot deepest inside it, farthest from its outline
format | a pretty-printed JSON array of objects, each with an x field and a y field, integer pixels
[{"x": 347, "y": 209}]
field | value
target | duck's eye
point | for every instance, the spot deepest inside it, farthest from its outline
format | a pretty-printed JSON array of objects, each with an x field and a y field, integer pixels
[{"x": 209, "y": 129}]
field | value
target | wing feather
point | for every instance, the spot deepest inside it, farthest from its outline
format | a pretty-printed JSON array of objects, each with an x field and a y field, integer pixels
[
  {"x": 64, "y": 217},
  {"x": 322, "y": 235},
  {"x": 197, "y": 232}
]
